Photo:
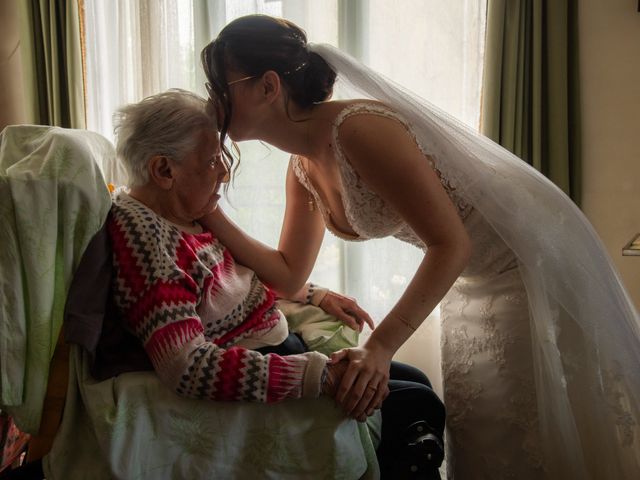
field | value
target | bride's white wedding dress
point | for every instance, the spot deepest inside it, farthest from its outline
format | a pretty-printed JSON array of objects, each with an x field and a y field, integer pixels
[{"x": 494, "y": 427}]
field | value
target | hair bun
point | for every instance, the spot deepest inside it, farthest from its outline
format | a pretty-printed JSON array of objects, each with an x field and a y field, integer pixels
[{"x": 319, "y": 79}]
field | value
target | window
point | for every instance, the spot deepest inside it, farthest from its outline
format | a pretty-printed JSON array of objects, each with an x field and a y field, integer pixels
[{"x": 431, "y": 47}]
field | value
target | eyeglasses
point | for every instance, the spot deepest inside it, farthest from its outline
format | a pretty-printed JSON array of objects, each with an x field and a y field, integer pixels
[
  {"x": 241, "y": 80},
  {"x": 212, "y": 95}
]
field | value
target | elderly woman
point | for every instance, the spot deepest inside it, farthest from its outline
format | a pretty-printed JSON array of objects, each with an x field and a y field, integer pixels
[
  {"x": 199, "y": 314},
  {"x": 209, "y": 325}
]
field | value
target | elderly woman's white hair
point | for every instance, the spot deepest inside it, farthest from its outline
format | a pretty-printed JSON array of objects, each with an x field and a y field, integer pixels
[{"x": 165, "y": 124}]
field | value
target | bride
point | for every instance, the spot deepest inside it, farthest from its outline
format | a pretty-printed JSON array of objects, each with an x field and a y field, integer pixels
[{"x": 540, "y": 342}]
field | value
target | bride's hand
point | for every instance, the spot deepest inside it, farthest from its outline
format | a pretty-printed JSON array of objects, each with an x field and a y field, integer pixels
[
  {"x": 365, "y": 384},
  {"x": 216, "y": 215},
  {"x": 347, "y": 310},
  {"x": 214, "y": 220}
]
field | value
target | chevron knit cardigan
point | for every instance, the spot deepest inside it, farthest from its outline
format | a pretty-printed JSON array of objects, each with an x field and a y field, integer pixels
[{"x": 189, "y": 303}]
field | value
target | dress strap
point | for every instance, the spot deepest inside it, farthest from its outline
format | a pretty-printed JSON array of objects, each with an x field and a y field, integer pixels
[
  {"x": 303, "y": 178},
  {"x": 369, "y": 107},
  {"x": 301, "y": 175}
]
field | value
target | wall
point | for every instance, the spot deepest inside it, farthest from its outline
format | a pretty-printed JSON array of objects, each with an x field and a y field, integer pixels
[{"x": 610, "y": 91}]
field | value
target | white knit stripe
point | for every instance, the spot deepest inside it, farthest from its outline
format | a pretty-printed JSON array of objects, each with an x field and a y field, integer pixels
[
  {"x": 170, "y": 346},
  {"x": 255, "y": 375}
]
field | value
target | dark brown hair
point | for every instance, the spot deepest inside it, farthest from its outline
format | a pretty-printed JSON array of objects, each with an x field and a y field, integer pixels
[{"x": 255, "y": 44}]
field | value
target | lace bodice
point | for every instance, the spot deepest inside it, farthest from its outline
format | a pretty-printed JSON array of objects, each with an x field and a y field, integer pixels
[{"x": 369, "y": 215}]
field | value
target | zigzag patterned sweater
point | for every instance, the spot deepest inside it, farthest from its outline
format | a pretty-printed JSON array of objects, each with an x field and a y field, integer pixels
[{"x": 190, "y": 304}]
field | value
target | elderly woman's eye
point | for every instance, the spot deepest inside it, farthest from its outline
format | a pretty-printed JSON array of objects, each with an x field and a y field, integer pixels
[{"x": 215, "y": 161}]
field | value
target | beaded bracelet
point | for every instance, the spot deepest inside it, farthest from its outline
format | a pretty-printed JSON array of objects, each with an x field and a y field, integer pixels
[
  {"x": 323, "y": 377},
  {"x": 310, "y": 291},
  {"x": 315, "y": 294}
]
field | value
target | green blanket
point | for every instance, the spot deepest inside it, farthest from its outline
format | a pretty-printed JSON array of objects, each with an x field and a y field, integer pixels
[
  {"x": 52, "y": 201},
  {"x": 321, "y": 332},
  {"x": 133, "y": 427}
]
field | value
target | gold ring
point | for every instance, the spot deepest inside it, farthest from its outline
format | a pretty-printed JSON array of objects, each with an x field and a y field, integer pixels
[{"x": 375, "y": 389}]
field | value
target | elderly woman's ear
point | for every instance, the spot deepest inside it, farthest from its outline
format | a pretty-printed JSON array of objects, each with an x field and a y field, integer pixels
[{"x": 160, "y": 171}]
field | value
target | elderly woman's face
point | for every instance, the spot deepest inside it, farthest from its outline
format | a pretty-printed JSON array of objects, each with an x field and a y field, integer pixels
[{"x": 198, "y": 178}]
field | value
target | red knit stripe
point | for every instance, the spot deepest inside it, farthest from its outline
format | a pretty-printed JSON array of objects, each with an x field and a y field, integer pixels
[
  {"x": 184, "y": 255},
  {"x": 130, "y": 272},
  {"x": 190, "y": 245},
  {"x": 199, "y": 241},
  {"x": 228, "y": 382}
]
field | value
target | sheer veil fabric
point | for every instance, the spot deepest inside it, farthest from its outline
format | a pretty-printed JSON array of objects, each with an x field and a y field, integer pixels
[{"x": 588, "y": 385}]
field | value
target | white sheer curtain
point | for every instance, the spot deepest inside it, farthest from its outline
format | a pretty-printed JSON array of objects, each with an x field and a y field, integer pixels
[{"x": 139, "y": 47}]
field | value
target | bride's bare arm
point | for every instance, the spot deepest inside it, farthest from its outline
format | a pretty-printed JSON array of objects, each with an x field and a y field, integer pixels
[
  {"x": 286, "y": 268},
  {"x": 389, "y": 162}
]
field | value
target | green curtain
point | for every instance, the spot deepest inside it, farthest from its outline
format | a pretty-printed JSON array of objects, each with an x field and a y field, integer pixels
[
  {"x": 52, "y": 62},
  {"x": 530, "y": 99}
]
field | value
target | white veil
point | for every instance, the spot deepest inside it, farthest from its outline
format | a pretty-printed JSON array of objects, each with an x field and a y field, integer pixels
[{"x": 588, "y": 388}]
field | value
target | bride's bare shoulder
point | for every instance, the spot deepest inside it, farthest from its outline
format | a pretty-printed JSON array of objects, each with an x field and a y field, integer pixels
[{"x": 338, "y": 106}]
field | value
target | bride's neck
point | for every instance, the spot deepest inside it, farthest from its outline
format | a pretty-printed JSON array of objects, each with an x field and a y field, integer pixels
[{"x": 300, "y": 132}]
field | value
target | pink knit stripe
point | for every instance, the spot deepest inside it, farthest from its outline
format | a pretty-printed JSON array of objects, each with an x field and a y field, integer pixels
[
  {"x": 166, "y": 341},
  {"x": 228, "y": 382},
  {"x": 285, "y": 378}
]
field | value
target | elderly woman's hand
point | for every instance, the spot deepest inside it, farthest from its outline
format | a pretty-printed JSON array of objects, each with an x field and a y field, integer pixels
[
  {"x": 347, "y": 310},
  {"x": 214, "y": 221},
  {"x": 335, "y": 371}
]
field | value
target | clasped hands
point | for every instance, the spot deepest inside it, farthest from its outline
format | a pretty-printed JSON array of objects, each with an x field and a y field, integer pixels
[{"x": 358, "y": 380}]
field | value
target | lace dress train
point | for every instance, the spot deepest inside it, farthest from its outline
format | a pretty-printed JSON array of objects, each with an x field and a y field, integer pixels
[{"x": 487, "y": 367}]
